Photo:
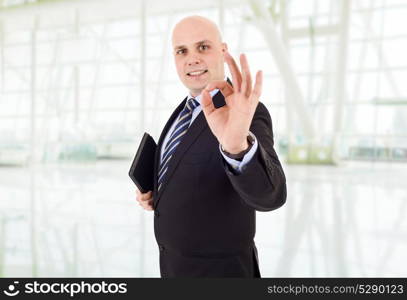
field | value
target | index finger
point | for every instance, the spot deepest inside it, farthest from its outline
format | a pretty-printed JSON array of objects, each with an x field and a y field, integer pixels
[{"x": 234, "y": 70}]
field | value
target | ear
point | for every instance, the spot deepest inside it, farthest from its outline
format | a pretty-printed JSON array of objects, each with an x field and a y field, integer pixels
[{"x": 224, "y": 47}]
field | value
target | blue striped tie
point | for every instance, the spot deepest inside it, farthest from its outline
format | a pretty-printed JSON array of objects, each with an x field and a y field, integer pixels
[{"x": 180, "y": 129}]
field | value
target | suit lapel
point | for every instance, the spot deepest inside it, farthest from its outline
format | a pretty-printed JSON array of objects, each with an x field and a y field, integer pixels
[{"x": 190, "y": 137}]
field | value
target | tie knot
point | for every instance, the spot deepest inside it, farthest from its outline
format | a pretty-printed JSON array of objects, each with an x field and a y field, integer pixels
[{"x": 191, "y": 104}]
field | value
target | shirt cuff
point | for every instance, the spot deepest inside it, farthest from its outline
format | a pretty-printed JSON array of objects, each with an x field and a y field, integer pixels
[{"x": 239, "y": 165}]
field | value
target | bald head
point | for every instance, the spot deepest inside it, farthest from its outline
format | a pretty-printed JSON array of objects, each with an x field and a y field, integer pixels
[
  {"x": 198, "y": 52},
  {"x": 196, "y": 23}
]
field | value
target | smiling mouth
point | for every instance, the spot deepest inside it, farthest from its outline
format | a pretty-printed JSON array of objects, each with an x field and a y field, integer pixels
[{"x": 196, "y": 73}]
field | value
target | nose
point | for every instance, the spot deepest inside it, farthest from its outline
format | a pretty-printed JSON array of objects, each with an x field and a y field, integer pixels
[{"x": 193, "y": 61}]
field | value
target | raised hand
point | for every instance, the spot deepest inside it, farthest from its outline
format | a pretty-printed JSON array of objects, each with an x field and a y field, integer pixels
[{"x": 230, "y": 123}]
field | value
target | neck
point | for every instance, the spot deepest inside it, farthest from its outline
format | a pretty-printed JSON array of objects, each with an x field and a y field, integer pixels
[{"x": 195, "y": 93}]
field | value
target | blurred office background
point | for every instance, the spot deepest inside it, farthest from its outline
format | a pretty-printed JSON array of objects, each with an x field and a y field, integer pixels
[{"x": 80, "y": 81}]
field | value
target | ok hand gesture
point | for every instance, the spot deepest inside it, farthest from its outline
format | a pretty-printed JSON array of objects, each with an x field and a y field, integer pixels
[{"x": 230, "y": 123}]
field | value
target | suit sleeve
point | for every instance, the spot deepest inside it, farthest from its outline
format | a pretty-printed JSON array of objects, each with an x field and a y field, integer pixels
[{"x": 262, "y": 183}]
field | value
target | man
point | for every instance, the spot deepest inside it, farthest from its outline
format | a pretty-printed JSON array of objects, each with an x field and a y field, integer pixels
[{"x": 216, "y": 164}]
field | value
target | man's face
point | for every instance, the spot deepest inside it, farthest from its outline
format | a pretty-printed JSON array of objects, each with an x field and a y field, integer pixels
[{"x": 199, "y": 54}]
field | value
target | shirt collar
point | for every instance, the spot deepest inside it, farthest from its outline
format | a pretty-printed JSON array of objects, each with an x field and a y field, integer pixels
[{"x": 198, "y": 98}]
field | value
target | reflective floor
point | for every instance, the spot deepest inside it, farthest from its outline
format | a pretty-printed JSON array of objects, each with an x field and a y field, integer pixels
[{"x": 83, "y": 220}]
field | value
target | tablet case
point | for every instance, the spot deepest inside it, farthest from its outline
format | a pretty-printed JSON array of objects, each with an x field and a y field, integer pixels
[{"x": 142, "y": 168}]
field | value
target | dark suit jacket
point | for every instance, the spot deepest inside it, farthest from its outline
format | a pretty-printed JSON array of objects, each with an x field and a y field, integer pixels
[{"x": 204, "y": 218}]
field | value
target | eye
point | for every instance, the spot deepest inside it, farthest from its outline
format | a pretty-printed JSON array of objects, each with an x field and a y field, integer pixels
[
  {"x": 203, "y": 47},
  {"x": 180, "y": 51}
]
